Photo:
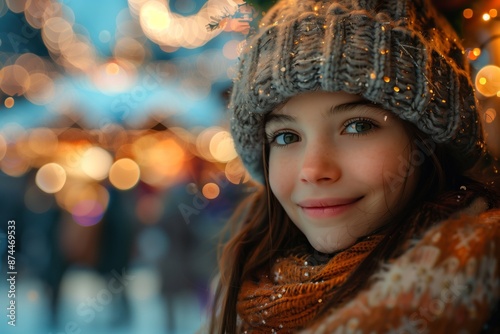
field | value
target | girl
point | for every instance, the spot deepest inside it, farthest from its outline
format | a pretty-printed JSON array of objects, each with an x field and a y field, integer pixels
[{"x": 359, "y": 119}]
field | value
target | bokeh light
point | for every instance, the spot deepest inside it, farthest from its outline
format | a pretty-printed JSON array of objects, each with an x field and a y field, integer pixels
[
  {"x": 74, "y": 51},
  {"x": 96, "y": 163},
  {"x": 490, "y": 115},
  {"x": 14, "y": 164},
  {"x": 51, "y": 177},
  {"x": 114, "y": 76},
  {"x": 43, "y": 142},
  {"x": 9, "y": 102},
  {"x": 72, "y": 154},
  {"x": 32, "y": 63},
  {"x": 203, "y": 141},
  {"x": 124, "y": 174},
  {"x": 222, "y": 147},
  {"x": 41, "y": 89},
  {"x": 14, "y": 80},
  {"x": 210, "y": 190},
  {"x": 235, "y": 172},
  {"x": 87, "y": 212},
  {"x": 17, "y": 6},
  {"x": 38, "y": 12},
  {"x": 468, "y": 13},
  {"x": 488, "y": 80},
  {"x": 160, "y": 159},
  {"x": 112, "y": 68},
  {"x": 155, "y": 16},
  {"x": 130, "y": 49},
  {"x": 85, "y": 201}
]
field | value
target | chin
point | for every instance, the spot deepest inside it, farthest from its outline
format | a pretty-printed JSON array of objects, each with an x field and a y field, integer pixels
[{"x": 328, "y": 244}]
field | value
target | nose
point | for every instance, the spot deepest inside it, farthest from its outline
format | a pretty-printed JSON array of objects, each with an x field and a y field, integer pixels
[{"x": 319, "y": 165}]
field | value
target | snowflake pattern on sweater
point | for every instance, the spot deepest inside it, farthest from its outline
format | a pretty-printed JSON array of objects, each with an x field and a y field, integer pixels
[{"x": 447, "y": 282}]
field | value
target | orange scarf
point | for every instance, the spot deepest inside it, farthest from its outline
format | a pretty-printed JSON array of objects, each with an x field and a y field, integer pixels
[{"x": 291, "y": 294}]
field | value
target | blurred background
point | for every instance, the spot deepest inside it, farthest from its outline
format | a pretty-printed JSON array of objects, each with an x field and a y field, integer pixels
[{"x": 116, "y": 163}]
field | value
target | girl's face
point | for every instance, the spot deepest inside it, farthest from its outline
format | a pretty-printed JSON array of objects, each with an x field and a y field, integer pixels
[{"x": 338, "y": 165}]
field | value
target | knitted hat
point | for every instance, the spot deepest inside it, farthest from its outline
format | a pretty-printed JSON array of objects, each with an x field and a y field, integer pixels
[{"x": 399, "y": 54}]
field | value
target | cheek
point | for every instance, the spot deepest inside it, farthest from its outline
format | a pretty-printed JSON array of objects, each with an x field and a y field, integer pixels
[
  {"x": 280, "y": 176},
  {"x": 382, "y": 166},
  {"x": 370, "y": 165},
  {"x": 395, "y": 174}
]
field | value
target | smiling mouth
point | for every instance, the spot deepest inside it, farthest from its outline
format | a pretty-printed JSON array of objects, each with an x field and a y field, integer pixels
[{"x": 327, "y": 208}]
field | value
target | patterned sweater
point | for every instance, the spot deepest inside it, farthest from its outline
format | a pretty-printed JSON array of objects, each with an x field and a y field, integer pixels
[{"x": 447, "y": 282}]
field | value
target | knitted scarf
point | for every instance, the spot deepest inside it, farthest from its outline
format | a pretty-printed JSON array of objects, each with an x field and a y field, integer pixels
[{"x": 291, "y": 293}]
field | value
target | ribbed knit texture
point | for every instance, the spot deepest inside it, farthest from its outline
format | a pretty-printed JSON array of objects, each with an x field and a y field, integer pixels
[
  {"x": 291, "y": 294},
  {"x": 399, "y": 54}
]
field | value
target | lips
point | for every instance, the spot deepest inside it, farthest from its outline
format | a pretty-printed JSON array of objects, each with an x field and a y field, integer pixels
[{"x": 327, "y": 207}]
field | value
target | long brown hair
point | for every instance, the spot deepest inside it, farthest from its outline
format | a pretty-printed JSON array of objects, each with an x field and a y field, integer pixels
[
  {"x": 261, "y": 230},
  {"x": 253, "y": 244}
]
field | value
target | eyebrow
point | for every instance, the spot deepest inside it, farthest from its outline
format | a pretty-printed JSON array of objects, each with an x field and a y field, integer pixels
[
  {"x": 339, "y": 108},
  {"x": 345, "y": 107}
]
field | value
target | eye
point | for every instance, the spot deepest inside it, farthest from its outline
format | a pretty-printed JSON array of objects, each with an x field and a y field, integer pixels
[
  {"x": 284, "y": 138},
  {"x": 358, "y": 126}
]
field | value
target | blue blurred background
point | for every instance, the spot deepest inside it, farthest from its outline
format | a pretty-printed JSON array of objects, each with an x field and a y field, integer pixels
[
  {"x": 117, "y": 170},
  {"x": 116, "y": 164}
]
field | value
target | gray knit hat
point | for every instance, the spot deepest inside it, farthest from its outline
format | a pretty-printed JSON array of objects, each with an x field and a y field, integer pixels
[{"x": 399, "y": 54}]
